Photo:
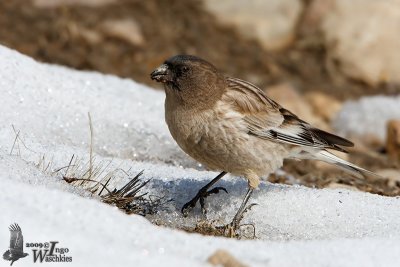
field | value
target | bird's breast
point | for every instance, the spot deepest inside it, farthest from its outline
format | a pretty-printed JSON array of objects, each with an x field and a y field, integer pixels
[
  {"x": 188, "y": 128},
  {"x": 209, "y": 136}
]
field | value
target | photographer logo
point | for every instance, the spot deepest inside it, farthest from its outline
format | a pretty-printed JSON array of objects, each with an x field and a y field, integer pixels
[{"x": 49, "y": 251}]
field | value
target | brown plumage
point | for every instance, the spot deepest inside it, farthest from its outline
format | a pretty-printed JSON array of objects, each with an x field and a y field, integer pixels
[{"x": 231, "y": 125}]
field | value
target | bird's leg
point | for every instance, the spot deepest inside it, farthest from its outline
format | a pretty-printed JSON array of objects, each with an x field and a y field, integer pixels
[
  {"x": 235, "y": 224},
  {"x": 202, "y": 194}
]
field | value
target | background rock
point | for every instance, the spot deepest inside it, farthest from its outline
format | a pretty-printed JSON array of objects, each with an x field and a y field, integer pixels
[
  {"x": 362, "y": 36},
  {"x": 367, "y": 117},
  {"x": 52, "y": 3},
  {"x": 323, "y": 105},
  {"x": 313, "y": 15},
  {"x": 125, "y": 29},
  {"x": 393, "y": 175},
  {"x": 225, "y": 259},
  {"x": 271, "y": 22},
  {"x": 393, "y": 140},
  {"x": 287, "y": 96}
]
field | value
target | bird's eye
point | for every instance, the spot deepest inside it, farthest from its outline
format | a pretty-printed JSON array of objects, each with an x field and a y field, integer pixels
[{"x": 184, "y": 69}]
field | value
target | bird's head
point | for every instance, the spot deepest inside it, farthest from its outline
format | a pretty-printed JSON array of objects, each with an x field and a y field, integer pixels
[{"x": 189, "y": 79}]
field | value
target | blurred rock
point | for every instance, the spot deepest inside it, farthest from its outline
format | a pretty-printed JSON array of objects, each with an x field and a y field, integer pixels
[
  {"x": 363, "y": 37},
  {"x": 342, "y": 186},
  {"x": 80, "y": 32},
  {"x": 124, "y": 29},
  {"x": 56, "y": 3},
  {"x": 225, "y": 259},
  {"x": 393, "y": 140},
  {"x": 313, "y": 15},
  {"x": 290, "y": 99},
  {"x": 367, "y": 117},
  {"x": 271, "y": 22},
  {"x": 323, "y": 105},
  {"x": 393, "y": 175},
  {"x": 368, "y": 144}
]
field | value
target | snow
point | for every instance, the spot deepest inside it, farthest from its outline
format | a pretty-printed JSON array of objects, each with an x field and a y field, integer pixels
[
  {"x": 295, "y": 225},
  {"x": 367, "y": 116}
]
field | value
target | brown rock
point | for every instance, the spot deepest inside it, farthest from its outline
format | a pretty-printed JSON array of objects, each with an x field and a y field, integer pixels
[
  {"x": 324, "y": 105},
  {"x": 363, "y": 36},
  {"x": 124, "y": 29},
  {"x": 225, "y": 259},
  {"x": 57, "y": 3},
  {"x": 393, "y": 175},
  {"x": 393, "y": 140},
  {"x": 367, "y": 143},
  {"x": 290, "y": 99},
  {"x": 314, "y": 14},
  {"x": 342, "y": 186},
  {"x": 271, "y": 22},
  {"x": 80, "y": 32}
]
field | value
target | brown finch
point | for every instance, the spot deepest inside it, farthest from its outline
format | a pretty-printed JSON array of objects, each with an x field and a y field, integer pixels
[{"x": 230, "y": 125}]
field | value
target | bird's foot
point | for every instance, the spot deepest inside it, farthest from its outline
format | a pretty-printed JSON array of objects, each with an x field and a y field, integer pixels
[
  {"x": 200, "y": 197},
  {"x": 232, "y": 228}
]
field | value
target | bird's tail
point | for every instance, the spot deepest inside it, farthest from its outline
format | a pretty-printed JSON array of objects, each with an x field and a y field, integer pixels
[{"x": 328, "y": 157}]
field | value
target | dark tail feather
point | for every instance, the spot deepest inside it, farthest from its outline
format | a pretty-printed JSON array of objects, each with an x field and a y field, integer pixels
[{"x": 335, "y": 141}]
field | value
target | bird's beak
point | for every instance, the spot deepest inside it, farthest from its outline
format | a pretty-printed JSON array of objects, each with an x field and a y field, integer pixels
[{"x": 162, "y": 74}]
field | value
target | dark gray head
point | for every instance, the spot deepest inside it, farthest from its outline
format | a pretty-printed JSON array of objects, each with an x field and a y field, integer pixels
[
  {"x": 189, "y": 78},
  {"x": 181, "y": 69}
]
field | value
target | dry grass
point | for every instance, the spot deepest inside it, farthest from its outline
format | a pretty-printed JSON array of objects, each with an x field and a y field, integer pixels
[
  {"x": 130, "y": 198},
  {"x": 96, "y": 176},
  {"x": 207, "y": 227}
]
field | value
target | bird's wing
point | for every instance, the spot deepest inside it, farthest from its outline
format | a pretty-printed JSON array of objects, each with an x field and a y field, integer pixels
[
  {"x": 266, "y": 119},
  {"x": 16, "y": 239}
]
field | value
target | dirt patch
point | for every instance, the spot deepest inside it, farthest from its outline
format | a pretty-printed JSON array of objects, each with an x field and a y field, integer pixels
[{"x": 312, "y": 174}]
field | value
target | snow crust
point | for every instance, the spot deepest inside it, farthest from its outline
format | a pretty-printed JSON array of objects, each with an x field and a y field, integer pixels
[{"x": 295, "y": 225}]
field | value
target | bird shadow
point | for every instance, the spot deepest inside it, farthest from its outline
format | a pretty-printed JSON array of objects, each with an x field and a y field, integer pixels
[{"x": 182, "y": 190}]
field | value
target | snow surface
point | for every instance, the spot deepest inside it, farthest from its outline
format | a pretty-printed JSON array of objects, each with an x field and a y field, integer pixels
[
  {"x": 367, "y": 116},
  {"x": 295, "y": 225}
]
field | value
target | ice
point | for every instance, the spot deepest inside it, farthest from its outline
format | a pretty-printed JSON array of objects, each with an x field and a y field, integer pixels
[
  {"x": 48, "y": 105},
  {"x": 367, "y": 116}
]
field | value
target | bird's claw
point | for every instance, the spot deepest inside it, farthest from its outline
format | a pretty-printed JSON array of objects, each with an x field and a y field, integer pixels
[
  {"x": 231, "y": 229},
  {"x": 240, "y": 217},
  {"x": 200, "y": 197},
  {"x": 216, "y": 190}
]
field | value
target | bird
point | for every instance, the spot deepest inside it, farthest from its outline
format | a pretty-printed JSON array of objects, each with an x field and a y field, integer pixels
[
  {"x": 16, "y": 250},
  {"x": 230, "y": 125}
]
